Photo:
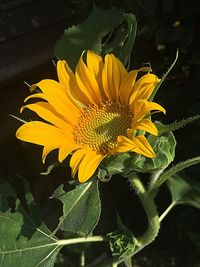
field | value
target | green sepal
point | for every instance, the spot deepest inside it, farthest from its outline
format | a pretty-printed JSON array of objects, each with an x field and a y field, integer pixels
[
  {"x": 81, "y": 208},
  {"x": 164, "y": 147},
  {"x": 104, "y": 31},
  {"x": 112, "y": 165},
  {"x": 122, "y": 242}
]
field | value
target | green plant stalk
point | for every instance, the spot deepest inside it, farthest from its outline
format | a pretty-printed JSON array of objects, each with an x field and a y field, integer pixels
[
  {"x": 177, "y": 125},
  {"x": 164, "y": 214},
  {"x": 148, "y": 203},
  {"x": 79, "y": 240},
  {"x": 149, "y": 206},
  {"x": 173, "y": 170}
]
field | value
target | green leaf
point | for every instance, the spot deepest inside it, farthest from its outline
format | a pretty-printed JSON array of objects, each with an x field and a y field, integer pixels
[
  {"x": 184, "y": 191},
  {"x": 25, "y": 240},
  {"x": 164, "y": 147},
  {"x": 174, "y": 170},
  {"x": 81, "y": 208},
  {"x": 102, "y": 32}
]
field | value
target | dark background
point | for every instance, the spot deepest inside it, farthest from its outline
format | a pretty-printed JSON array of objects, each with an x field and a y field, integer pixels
[{"x": 28, "y": 32}]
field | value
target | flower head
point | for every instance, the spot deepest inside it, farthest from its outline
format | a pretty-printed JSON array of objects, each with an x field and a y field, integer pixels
[{"x": 93, "y": 113}]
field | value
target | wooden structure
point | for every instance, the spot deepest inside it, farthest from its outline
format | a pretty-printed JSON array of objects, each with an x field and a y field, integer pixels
[{"x": 28, "y": 32}]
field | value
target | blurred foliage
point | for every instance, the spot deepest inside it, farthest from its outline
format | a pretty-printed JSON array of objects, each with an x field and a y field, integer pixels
[{"x": 114, "y": 34}]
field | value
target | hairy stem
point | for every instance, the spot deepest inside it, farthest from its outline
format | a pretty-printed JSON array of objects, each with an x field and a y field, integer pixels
[
  {"x": 151, "y": 212},
  {"x": 148, "y": 203}
]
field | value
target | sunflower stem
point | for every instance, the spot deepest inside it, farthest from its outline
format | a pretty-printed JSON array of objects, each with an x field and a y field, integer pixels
[
  {"x": 151, "y": 233},
  {"x": 149, "y": 206}
]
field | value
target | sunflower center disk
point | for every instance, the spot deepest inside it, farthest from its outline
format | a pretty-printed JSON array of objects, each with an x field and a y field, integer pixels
[{"x": 99, "y": 127}]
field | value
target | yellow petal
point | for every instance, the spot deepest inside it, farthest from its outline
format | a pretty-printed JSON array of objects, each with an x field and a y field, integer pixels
[
  {"x": 124, "y": 144},
  {"x": 95, "y": 66},
  {"x": 68, "y": 80},
  {"x": 146, "y": 79},
  {"x": 138, "y": 144},
  {"x": 87, "y": 83},
  {"x": 46, "y": 151},
  {"x": 76, "y": 159},
  {"x": 37, "y": 95},
  {"x": 143, "y": 147},
  {"x": 127, "y": 84},
  {"x": 112, "y": 76},
  {"x": 145, "y": 125},
  {"x": 43, "y": 134},
  {"x": 88, "y": 165},
  {"x": 144, "y": 87},
  {"x": 64, "y": 151},
  {"x": 64, "y": 73},
  {"x": 59, "y": 100},
  {"x": 48, "y": 113},
  {"x": 94, "y": 63},
  {"x": 142, "y": 107}
]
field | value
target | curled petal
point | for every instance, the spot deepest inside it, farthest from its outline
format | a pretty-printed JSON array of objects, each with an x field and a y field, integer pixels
[
  {"x": 138, "y": 144},
  {"x": 145, "y": 125},
  {"x": 144, "y": 87},
  {"x": 142, "y": 108},
  {"x": 127, "y": 84}
]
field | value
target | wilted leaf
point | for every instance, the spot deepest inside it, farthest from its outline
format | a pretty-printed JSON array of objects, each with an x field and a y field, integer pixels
[
  {"x": 184, "y": 191},
  {"x": 25, "y": 240},
  {"x": 102, "y": 32},
  {"x": 81, "y": 208}
]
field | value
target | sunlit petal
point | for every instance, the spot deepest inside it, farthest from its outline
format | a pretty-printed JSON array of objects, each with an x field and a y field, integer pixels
[
  {"x": 87, "y": 83},
  {"x": 138, "y": 144},
  {"x": 43, "y": 134},
  {"x": 48, "y": 113},
  {"x": 88, "y": 165},
  {"x": 68, "y": 80},
  {"x": 141, "y": 108},
  {"x": 145, "y": 125},
  {"x": 127, "y": 84},
  {"x": 58, "y": 99},
  {"x": 112, "y": 76},
  {"x": 76, "y": 159}
]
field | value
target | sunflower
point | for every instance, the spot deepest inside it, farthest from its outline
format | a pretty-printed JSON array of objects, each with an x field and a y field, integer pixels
[{"x": 93, "y": 113}]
